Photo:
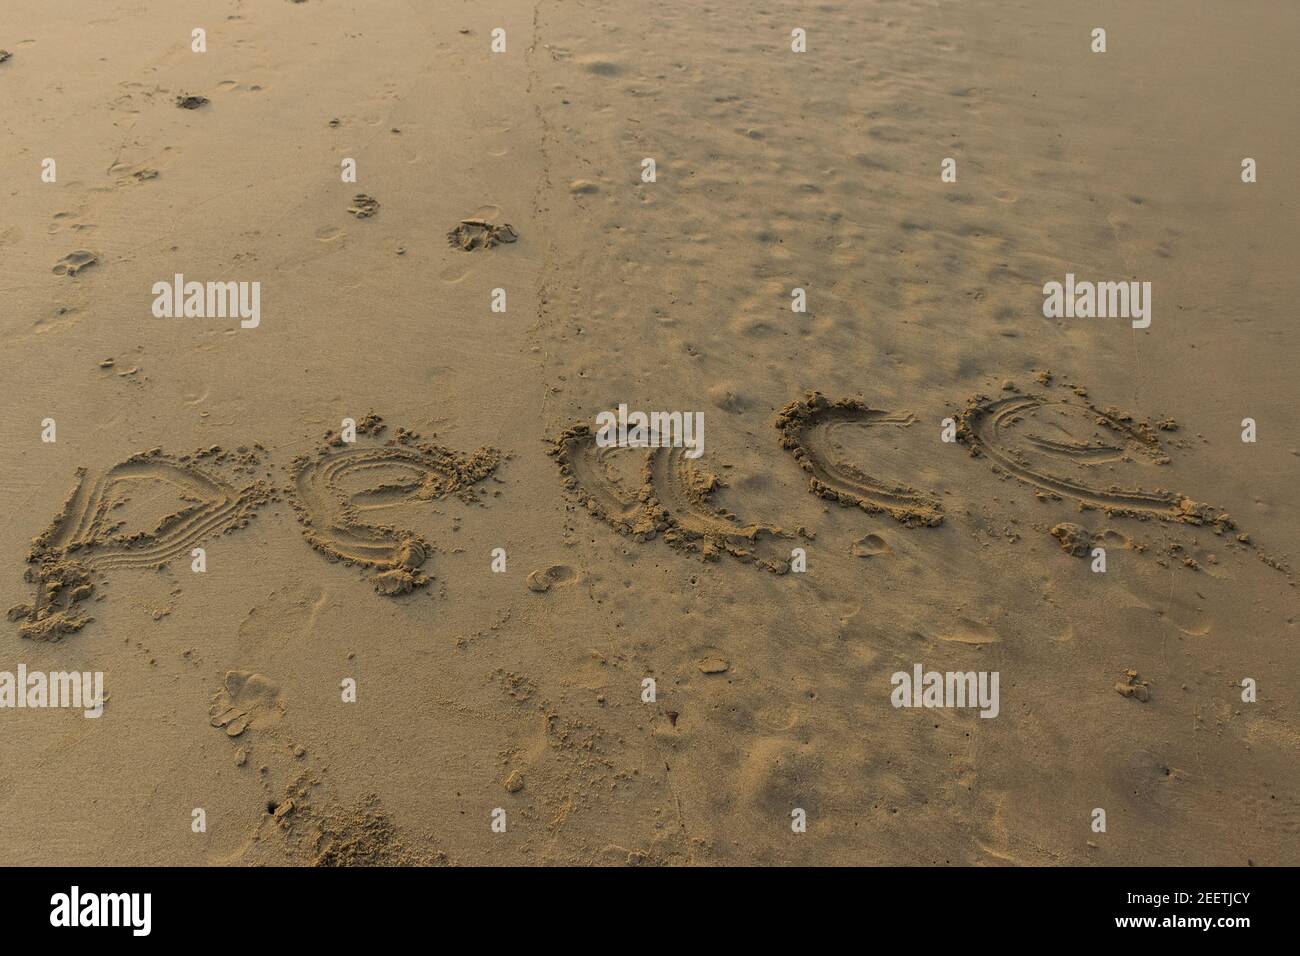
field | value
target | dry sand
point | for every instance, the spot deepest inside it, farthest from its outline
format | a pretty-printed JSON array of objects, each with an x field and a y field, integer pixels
[{"x": 523, "y": 690}]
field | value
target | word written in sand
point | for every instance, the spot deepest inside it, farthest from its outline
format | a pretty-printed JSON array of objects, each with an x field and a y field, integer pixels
[
  {"x": 209, "y": 300},
  {"x": 1102, "y": 300},
  {"x": 71, "y": 690},
  {"x": 651, "y": 430},
  {"x": 953, "y": 689}
]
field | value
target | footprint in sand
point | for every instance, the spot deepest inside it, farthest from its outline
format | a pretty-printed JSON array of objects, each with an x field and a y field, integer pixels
[
  {"x": 74, "y": 262},
  {"x": 363, "y": 206},
  {"x": 454, "y": 273},
  {"x": 557, "y": 575},
  {"x": 234, "y": 86},
  {"x": 182, "y": 501},
  {"x": 601, "y": 66},
  {"x": 245, "y": 700},
  {"x": 666, "y": 497},
  {"x": 968, "y": 631},
  {"x": 778, "y": 772},
  {"x": 475, "y": 233},
  {"x": 334, "y": 488},
  {"x": 1079, "y": 541},
  {"x": 870, "y": 546},
  {"x": 807, "y": 431},
  {"x": 1062, "y": 447}
]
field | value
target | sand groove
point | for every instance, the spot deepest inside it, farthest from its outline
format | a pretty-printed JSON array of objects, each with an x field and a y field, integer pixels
[
  {"x": 1023, "y": 434},
  {"x": 807, "y": 429},
  {"x": 401, "y": 470},
  {"x": 672, "y": 501},
  {"x": 85, "y": 536}
]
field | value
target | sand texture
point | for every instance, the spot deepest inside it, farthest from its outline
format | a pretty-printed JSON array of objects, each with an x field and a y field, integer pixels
[{"x": 429, "y": 600}]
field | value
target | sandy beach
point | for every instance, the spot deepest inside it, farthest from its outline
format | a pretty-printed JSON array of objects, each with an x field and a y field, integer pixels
[{"x": 308, "y": 333}]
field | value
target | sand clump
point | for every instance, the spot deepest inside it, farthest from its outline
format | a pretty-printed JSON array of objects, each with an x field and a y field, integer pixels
[
  {"x": 360, "y": 834},
  {"x": 471, "y": 234},
  {"x": 1073, "y": 539},
  {"x": 1132, "y": 685}
]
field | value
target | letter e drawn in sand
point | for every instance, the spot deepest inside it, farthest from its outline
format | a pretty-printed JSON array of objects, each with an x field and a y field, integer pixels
[
  {"x": 1061, "y": 446},
  {"x": 335, "y": 489}
]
